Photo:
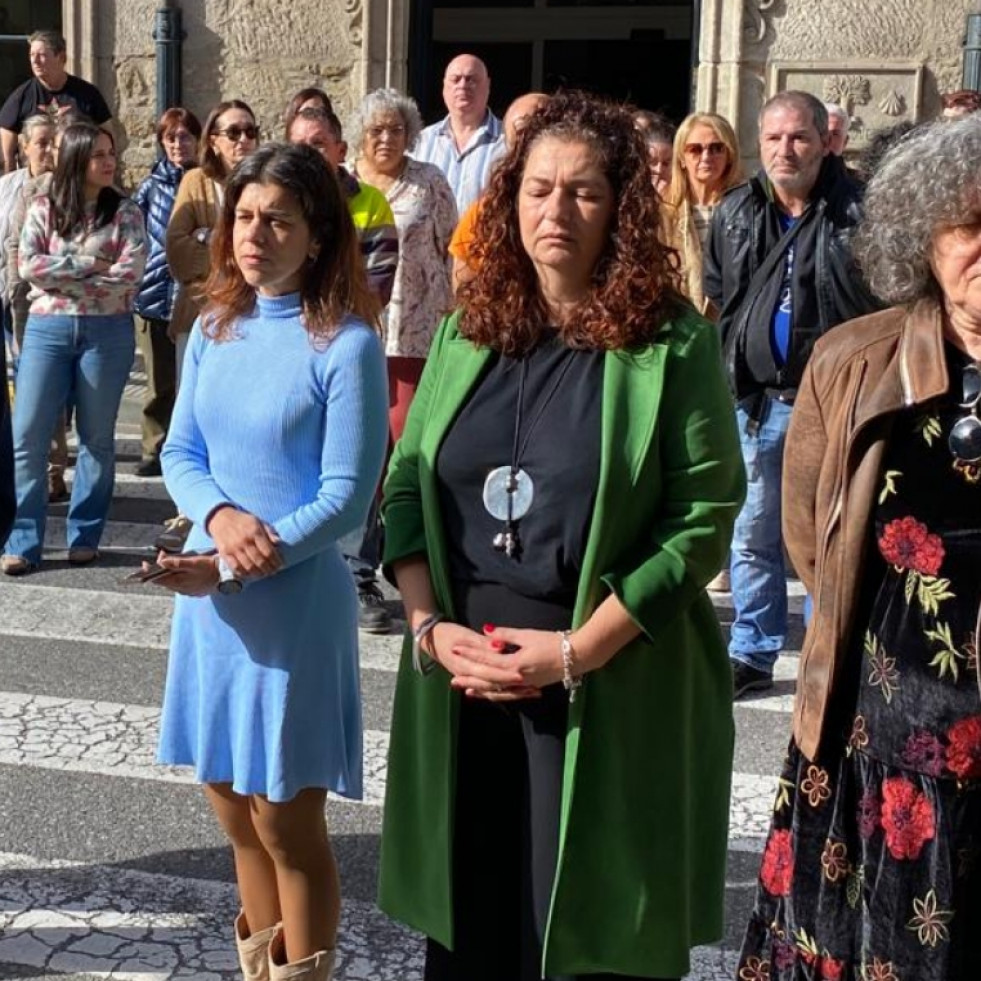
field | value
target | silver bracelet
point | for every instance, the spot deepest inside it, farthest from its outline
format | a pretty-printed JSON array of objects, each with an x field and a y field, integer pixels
[
  {"x": 570, "y": 682},
  {"x": 418, "y": 636}
]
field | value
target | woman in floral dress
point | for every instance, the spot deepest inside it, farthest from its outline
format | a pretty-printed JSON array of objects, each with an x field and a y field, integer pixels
[{"x": 872, "y": 868}]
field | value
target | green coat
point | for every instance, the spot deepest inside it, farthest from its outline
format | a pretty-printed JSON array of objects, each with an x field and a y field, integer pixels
[{"x": 645, "y": 803}]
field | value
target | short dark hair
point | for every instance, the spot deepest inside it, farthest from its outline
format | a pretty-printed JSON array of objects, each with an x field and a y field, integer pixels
[
  {"x": 334, "y": 282},
  {"x": 655, "y": 127},
  {"x": 51, "y": 38},
  {"x": 175, "y": 117},
  {"x": 795, "y": 99},
  {"x": 325, "y": 116},
  {"x": 210, "y": 161},
  {"x": 309, "y": 94}
]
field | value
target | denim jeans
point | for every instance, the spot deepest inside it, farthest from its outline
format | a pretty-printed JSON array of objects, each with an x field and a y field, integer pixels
[
  {"x": 361, "y": 548},
  {"x": 757, "y": 569},
  {"x": 86, "y": 360}
]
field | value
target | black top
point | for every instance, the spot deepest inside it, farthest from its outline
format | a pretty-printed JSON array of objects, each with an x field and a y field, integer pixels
[
  {"x": 561, "y": 420},
  {"x": 32, "y": 97}
]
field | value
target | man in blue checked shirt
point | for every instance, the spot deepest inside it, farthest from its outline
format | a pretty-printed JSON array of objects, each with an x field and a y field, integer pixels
[{"x": 468, "y": 142}]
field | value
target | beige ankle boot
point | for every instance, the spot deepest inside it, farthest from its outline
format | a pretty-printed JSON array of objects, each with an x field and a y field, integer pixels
[
  {"x": 317, "y": 967},
  {"x": 253, "y": 950}
]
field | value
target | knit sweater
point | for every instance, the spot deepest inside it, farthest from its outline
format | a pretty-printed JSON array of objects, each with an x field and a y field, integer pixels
[{"x": 61, "y": 270}]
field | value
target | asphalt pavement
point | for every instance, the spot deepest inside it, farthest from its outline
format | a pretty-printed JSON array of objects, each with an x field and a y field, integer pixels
[{"x": 112, "y": 866}]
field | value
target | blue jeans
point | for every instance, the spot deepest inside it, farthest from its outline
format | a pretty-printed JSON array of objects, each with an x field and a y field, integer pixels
[
  {"x": 86, "y": 360},
  {"x": 757, "y": 569}
]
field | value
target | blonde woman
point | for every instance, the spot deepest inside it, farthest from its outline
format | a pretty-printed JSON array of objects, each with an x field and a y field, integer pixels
[{"x": 705, "y": 164}]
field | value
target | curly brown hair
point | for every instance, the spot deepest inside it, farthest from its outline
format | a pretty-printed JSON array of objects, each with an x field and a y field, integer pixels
[
  {"x": 635, "y": 280},
  {"x": 334, "y": 282}
]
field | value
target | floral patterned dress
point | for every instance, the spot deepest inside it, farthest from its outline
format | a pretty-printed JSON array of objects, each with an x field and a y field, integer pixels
[{"x": 871, "y": 869}]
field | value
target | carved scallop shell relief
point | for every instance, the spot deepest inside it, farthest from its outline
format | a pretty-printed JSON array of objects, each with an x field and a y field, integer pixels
[{"x": 892, "y": 104}]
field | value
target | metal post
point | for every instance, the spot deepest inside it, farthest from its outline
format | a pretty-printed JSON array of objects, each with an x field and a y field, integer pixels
[
  {"x": 972, "y": 53},
  {"x": 168, "y": 34}
]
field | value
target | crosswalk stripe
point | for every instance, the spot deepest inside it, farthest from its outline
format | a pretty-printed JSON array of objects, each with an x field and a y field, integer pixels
[
  {"x": 114, "y": 740},
  {"x": 107, "y": 921},
  {"x": 123, "y": 619}
]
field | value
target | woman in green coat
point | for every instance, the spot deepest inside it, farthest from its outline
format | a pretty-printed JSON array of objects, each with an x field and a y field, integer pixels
[{"x": 565, "y": 487}]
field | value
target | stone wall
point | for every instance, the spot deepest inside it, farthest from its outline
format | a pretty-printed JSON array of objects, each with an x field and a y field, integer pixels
[
  {"x": 884, "y": 61},
  {"x": 261, "y": 51}
]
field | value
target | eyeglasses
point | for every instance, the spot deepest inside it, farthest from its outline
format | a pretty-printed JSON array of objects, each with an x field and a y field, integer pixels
[
  {"x": 236, "y": 133},
  {"x": 376, "y": 132},
  {"x": 712, "y": 149},
  {"x": 964, "y": 440}
]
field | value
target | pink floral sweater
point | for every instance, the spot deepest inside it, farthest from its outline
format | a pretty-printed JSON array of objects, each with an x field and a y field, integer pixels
[{"x": 62, "y": 273}]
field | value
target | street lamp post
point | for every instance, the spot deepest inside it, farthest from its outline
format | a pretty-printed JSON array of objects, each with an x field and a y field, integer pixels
[
  {"x": 168, "y": 34},
  {"x": 972, "y": 53}
]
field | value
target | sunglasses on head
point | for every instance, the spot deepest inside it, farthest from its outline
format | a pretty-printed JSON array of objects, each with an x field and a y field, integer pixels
[
  {"x": 697, "y": 149},
  {"x": 964, "y": 440},
  {"x": 236, "y": 133}
]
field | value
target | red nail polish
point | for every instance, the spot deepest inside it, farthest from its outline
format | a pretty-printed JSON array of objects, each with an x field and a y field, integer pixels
[
  {"x": 498, "y": 645},
  {"x": 489, "y": 628}
]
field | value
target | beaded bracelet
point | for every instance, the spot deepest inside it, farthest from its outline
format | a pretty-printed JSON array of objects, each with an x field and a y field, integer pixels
[{"x": 570, "y": 682}]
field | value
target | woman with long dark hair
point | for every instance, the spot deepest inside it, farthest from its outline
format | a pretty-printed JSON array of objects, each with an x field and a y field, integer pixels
[
  {"x": 274, "y": 452},
  {"x": 83, "y": 250}
]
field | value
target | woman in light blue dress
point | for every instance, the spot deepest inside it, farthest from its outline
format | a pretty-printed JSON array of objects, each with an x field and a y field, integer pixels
[{"x": 274, "y": 452}]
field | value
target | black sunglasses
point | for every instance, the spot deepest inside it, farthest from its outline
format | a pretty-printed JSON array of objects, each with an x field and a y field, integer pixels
[
  {"x": 235, "y": 133},
  {"x": 965, "y": 435}
]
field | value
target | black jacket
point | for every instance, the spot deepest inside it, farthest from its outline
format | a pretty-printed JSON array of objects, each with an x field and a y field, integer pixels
[{"x": 826, "y": 286}]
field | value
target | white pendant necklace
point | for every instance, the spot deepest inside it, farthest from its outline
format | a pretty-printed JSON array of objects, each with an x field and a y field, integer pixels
[{"x": 509, "y": 491}]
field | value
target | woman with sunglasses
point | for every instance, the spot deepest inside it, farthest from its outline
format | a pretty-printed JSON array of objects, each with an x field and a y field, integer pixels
[
  {"x": 705, "y": 164},
  {"x": 871, "y": 866},
  {"x": 230, "y": 135}
]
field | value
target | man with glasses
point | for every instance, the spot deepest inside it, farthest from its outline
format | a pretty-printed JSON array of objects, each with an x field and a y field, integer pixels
[
  {"x": 51, "y": 90},
  {"x": 780, "y": 269},
  {"x": 467, "y": 143}
]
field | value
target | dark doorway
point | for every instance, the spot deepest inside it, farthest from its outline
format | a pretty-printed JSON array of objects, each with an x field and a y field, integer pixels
[
  {"x": 18, "y": 19},
  {"x": 640, "y": 50}
]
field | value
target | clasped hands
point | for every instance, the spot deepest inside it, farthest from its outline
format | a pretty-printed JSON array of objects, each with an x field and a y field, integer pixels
[
  {"x": 502, "y": 664},
  {"x": 246, "y": 543}
]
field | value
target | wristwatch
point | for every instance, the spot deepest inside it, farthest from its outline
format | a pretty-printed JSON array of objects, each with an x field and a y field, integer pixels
[
  {"x": 202, "y": 235},
  {"x": 228, "y": 584}
]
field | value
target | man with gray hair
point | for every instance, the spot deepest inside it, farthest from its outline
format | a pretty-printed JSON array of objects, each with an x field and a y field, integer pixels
[
  {"x": 50, "y": 90},
  {"x": 779, "y": 268},
  {"x": 838, "y": 124}
]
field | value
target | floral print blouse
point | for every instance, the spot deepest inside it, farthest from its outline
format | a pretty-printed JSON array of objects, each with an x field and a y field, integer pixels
[
  {"x": 61, "y": 271},
  {"x": 425, "y": 217}
]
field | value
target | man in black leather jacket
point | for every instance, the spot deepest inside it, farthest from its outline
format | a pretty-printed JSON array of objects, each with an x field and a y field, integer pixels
[{"x": 779, "y": 268}]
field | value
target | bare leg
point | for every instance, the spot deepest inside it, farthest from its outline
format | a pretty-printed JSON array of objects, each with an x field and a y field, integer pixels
[
  {"x": 254, "y": 869},
  {"x": 294, "y": 834}
]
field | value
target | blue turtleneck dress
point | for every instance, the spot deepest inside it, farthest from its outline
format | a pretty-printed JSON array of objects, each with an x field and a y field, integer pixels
[{"x": 263, "y": 687}]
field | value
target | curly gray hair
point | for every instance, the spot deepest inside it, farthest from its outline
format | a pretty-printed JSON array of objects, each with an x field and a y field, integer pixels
[
  {"x": 383, "y": 102},
  {"x": 930, "y": 179}
]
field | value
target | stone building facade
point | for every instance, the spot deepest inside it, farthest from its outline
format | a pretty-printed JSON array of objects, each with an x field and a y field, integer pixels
[{"x": 884, "y": 60}]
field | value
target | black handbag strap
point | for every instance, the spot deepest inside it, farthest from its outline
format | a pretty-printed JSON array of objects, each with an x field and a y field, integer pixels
[{"x": 774, "y": 257}]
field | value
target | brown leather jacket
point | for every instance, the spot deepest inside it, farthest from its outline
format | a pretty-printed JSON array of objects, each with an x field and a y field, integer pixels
[{"x": 858, "y": 377}]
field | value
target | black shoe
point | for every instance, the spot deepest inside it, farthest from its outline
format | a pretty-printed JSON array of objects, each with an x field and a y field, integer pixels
[
  {"x": 746, "y": 678},
  {"x": 149, "y": 468},
  {"x": 372, "y": 615}
]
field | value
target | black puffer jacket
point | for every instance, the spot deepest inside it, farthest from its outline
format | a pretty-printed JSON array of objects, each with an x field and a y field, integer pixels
[
  {"x": 155, "y": 196},
  {"x": 827, "y": 288}
]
